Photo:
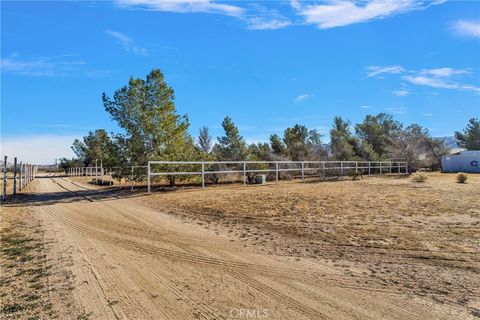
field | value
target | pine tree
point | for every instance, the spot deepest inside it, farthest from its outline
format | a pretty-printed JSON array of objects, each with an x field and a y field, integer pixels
[
  {"x": 470, "y": 137},
  {"x": 231, "y": 146}
]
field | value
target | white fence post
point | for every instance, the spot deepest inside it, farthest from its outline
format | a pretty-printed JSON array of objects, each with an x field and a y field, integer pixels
[
  {"x": 148, "y": 177},
  {"x": 15, "y": 176},
  {"x": 131, "y": 179},
  {"x": 21, "y": 171},
  {"x": 244, "y": 173},
  {"x": 203, "y": 175},
  {"x": 276, "y": 171},
  {"x": 303, "y": 168}
]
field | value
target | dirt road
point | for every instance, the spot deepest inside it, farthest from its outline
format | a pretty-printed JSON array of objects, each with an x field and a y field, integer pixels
[{"x": 129, "y": 261}]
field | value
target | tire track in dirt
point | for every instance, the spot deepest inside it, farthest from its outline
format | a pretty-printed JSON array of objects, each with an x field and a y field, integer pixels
[
  {"x": 181, "y": 256},
  {"x": 419, "y": 257},
  {"x": 275, "y": 295},
  {"x": 104, "y": 274}
]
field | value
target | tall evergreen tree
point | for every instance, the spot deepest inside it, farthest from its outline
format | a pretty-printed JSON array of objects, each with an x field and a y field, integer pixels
[
  {"x": 145, "y": 109},
  {"x": 277, "y": 145},
  {"x": 470, "y": 137},
  {"x": 316, "y": 151},
  {"x": 204, "y": 140},
  {"x": 96, "y": 145},
  {"x": 295, "y": 139},
  {"x": 231, "y": 146},
  {"x": 377, "y": 133},
  {"x": 342, "y": 142}
]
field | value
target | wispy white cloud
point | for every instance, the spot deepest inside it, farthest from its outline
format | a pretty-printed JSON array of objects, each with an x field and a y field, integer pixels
[
  {"x": 328, "y": 14},
  {"x": 401, "y": 93},
  {"x": 434, "y": 82},
  {"x": 183, "y": 6},
  {"x": 302, "y": 98},
  {"x": 42, "y": 66},
  {"x": 373, "y": 71},
  {"x": 342, "y": 13},
  {"x": 444, "y": 72},
  {"x": 262, "y": 23},
  {"x": 427, "y": 114},
  {"x": 470, "y": 88},
  {"x": 466, "y": 28},
  {"x": 442, "y": 78},
  {"x": 397, "y": 110},
  {"x": 127, "y": 43},
  {"x": 367, "y": 107},
  {"x": 260, "y": 17}
]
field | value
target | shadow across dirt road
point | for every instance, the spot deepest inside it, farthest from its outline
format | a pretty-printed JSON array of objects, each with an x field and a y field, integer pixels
[{"x": 69, "y": 196}]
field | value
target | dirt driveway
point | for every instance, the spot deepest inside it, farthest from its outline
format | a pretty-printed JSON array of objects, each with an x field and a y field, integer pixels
[{"x": 130, "y": 261}]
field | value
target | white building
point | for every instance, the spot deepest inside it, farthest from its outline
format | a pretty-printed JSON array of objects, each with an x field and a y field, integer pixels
[{"x": 463, "y": 161}]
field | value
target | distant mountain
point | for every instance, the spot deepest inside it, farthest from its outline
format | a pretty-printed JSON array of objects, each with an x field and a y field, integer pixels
[{"x": 452, "y": 143}]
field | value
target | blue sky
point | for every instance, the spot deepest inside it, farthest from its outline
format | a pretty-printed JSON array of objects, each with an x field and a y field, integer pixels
[{"x": 267, "y": 64}]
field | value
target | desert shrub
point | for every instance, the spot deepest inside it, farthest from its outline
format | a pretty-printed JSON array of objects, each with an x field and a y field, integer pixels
[
  {"x": 419, "y": 177},
  {"x": 357, "y": 174},
  {"x": 461, "y": 177}
]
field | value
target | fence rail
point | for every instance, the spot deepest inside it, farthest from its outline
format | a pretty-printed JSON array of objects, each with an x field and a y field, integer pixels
[
  {"x": 245, "y": 168},
  {"x": 303, "y": 167}
]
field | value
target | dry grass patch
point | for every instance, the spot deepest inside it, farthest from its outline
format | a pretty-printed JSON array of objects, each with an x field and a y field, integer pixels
[
  {"x": 32, "y": 285},
  {"x": 384, "y": 232},
  {"x": 25, "y": 270},
  {"x": 419, "y": 177}
]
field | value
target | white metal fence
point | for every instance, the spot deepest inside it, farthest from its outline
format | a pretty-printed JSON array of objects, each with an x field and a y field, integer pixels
[
  {"x": 205, "y": 168},
  {"x": 99, "y": 173},
  {"x": 23, "y": 172},
  {"x": 84, "y": 171}
]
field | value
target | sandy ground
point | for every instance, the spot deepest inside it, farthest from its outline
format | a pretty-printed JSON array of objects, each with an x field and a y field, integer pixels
[{"x": 380, "y": 248}]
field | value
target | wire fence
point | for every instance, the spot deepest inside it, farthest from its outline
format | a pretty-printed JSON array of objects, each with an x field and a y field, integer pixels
[{"x": 16, "y": 176}]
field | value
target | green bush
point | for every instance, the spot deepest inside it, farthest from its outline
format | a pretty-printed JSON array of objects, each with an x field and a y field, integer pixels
[
  {"x": 357, "y": 174},
  {"x": 419, "y": 177},
  {"x": 461, "y": 177}
]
